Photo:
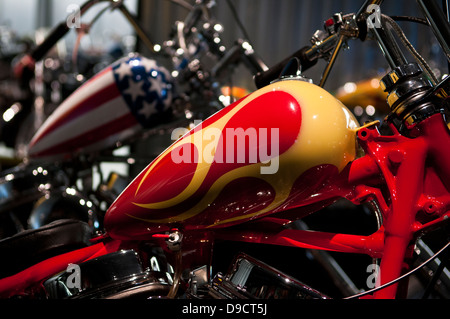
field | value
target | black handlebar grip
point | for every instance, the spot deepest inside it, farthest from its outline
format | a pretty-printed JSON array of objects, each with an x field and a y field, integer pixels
[
  {"x": 264, "y": 78},
  {"x": 41, "y": 50}
]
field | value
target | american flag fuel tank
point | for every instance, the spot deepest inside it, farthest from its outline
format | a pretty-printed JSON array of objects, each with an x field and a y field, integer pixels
[{"x": 127, "y": 97}]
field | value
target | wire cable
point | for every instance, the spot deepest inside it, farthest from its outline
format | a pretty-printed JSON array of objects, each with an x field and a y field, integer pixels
[
  {"x": 410, "y": 47},
  {"x": 401, "y": 277},
  {"x": 238, "y": 21},
  {"x": 411, "y": 19}
]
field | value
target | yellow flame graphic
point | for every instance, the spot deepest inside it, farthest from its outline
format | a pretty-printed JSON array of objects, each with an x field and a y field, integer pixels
[{"x": 327, "y": 136}]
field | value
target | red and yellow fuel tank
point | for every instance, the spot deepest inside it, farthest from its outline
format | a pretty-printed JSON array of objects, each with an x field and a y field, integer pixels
[
  {"x": 132, "y": 94},
  {"x": 263, "y": 154}
]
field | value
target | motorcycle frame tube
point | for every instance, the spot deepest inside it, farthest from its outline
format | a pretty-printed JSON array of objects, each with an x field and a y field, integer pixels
[{"x": 393, "y": 172}]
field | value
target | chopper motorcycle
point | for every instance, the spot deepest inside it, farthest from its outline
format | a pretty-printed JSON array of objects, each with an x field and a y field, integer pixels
[
  {"x": 246, "y": 177},
  {"x": 133, "y": 99}
]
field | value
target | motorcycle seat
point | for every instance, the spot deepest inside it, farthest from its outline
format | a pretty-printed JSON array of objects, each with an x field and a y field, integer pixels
[{"x": 33, "y": 246}]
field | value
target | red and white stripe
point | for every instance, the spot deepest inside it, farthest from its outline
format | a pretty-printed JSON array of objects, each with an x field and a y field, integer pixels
[{"x": 95, "y": 116}]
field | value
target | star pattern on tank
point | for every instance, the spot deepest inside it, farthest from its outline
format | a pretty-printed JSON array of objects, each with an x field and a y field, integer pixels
[{"x": 144, "y": 86}]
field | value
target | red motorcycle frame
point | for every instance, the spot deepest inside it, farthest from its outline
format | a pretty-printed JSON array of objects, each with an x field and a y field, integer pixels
[{"x": 407, "y": 177}]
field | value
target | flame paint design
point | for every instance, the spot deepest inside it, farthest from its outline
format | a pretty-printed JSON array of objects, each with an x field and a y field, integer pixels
[{"x": 314, "y": 129}]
